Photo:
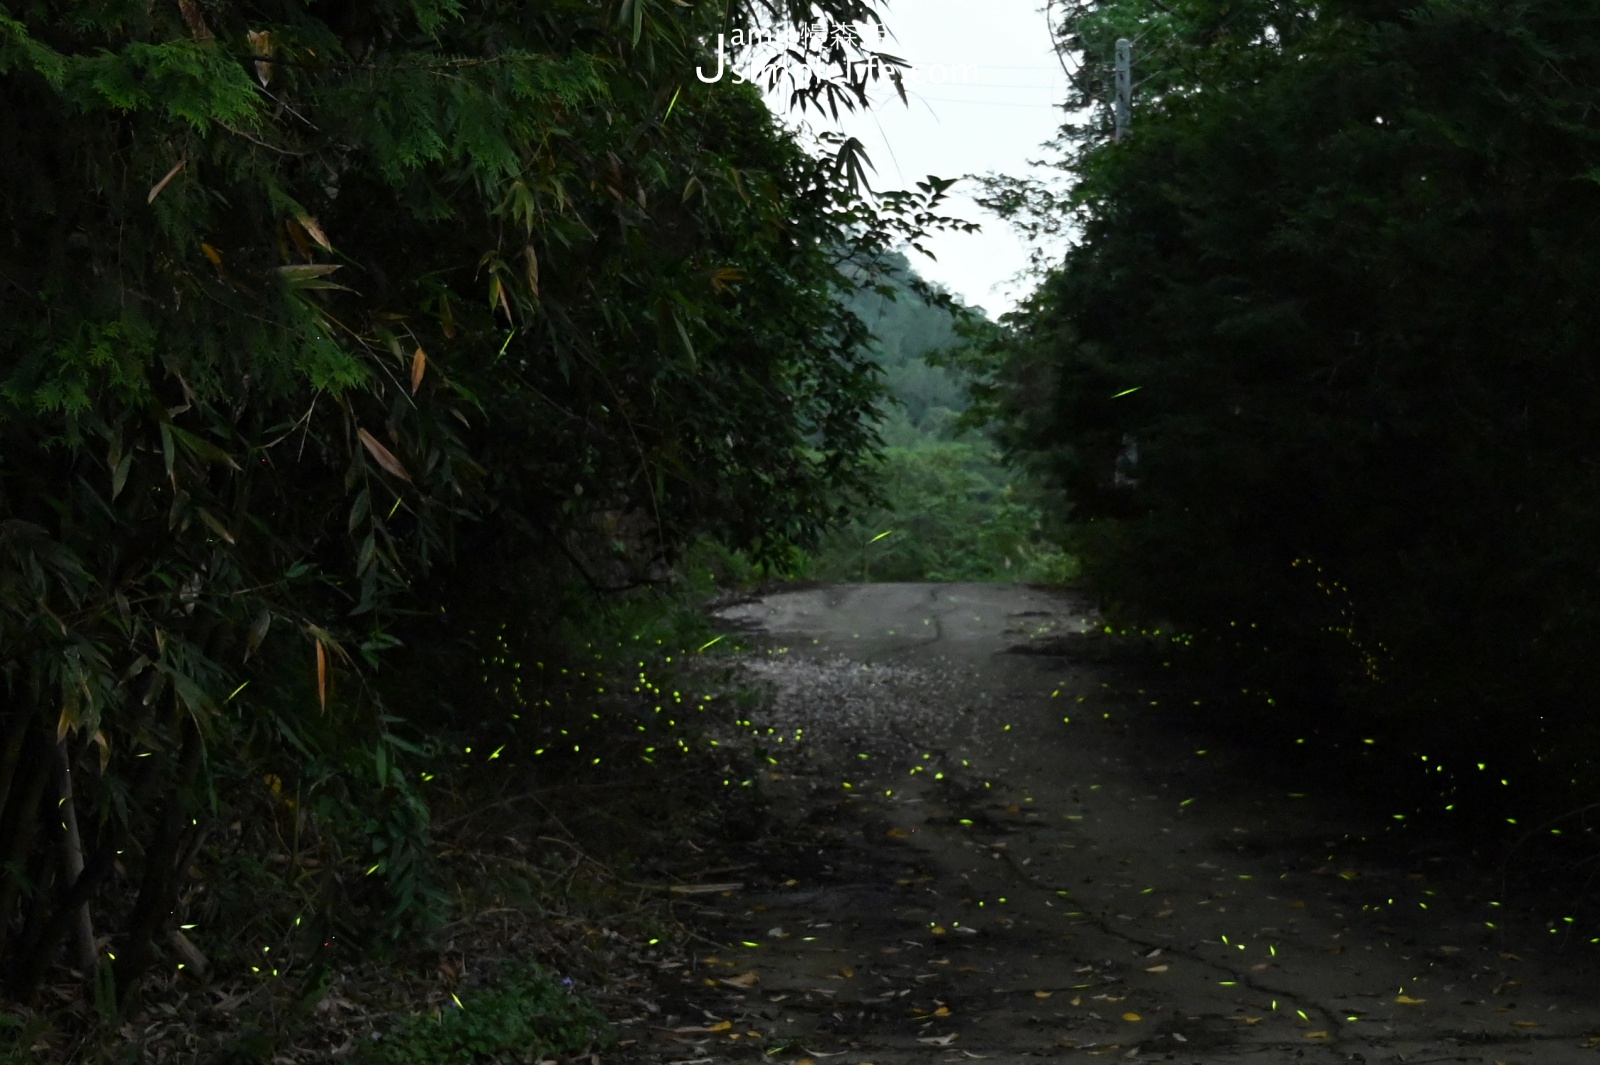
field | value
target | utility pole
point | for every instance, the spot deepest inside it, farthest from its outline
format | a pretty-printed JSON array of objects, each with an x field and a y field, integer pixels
[{"x": 1122, "y": 108}]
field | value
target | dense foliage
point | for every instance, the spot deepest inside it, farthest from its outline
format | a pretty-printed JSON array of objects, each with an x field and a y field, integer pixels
[
  {"x": 944, "y": 507},
  {"x": 1321, "y": 358},
  {"x": 328, "y": 328}
]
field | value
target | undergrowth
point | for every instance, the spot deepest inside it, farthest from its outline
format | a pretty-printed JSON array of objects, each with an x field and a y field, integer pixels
[{"x": 525, "y": 1014}]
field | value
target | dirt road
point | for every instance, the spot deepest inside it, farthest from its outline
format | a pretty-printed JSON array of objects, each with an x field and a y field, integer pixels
[{"x": 980, "y": 852}]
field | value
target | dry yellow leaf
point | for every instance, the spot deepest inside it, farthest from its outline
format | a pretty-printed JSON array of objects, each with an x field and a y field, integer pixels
[
  {"x": 419, "y": 366},
  {"x": 897, "y": 833},
  {"x": 1076, "y": 1000},
  {"x": 942, "y": 1011},
  {"x": 1243, "y": 1019},
  {"x": 1407, "y": 1000},
  {"x": 1042, "y": 994},
  {"x": 847, "y": 972},
  {"x": 1526, "y": 1024},
  {"x": 322, "y": 675},
  {"x": 383, "y": 455},
  {"x": 1316, "y": 1035},
  {"x": 1156, "y": 969},
  {"x": 1131, "y": 1017}
]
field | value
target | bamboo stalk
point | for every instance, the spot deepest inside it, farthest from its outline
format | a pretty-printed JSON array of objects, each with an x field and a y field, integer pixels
[{"x": 72, "y": 863}]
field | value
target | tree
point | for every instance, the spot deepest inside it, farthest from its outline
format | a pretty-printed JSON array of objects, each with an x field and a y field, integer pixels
[
  {"x": 303, "y": 307},
  {"x": 1334, "y": 286}
]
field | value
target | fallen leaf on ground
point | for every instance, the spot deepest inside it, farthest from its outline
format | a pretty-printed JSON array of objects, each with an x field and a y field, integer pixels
[
  {"x": 1242, "y": 1019},
  {"x": 1131, "y": 1017},
  {"x": 1526, "y": 1024},
  {"x": 1156, "y": 969},
  {"x": 1316, "y": 1035},
  {"x": 942, "y": 1011},
  {"x": 1043, "y": 994},
  {"x": 938, "y": 1040},
  {"x": 1407, "y": 1000},
  {"x": 749, "y": 979},
  {"x": 700, "y": 1029}
]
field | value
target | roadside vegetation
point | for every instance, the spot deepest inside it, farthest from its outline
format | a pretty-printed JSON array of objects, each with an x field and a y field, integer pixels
[
  {"x": 364, "y": 374},
  {"x": 1317, "y": 378},
  {"x": 385, "y": 387},
  {"x": 941, "y": 504}
]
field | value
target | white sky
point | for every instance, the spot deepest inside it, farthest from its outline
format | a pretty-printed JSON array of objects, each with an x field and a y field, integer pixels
[{"x": 996, "y": 122}]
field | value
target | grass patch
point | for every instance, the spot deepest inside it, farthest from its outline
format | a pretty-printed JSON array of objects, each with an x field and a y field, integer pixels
[{"x": 526, "y": 1014}]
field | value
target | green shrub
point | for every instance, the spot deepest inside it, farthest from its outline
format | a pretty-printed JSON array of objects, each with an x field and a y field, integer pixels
[{"x": 528, "y": 1016}]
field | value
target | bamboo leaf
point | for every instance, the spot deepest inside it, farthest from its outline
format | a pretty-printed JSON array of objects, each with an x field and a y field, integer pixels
[
  {"x": 216, "y": 525},
  {"x": 322, "y": 675},
  {"x": 683, "y": 334},
  {"x": 311, "y": 227},
  {"x": 383, "y": 455},
  {"x": 359, "y": 509},
  {"x": 419, "y": 366},
  {"x": 533, "y": 269},
  {"x": 310, "y": 276},
  {"x": 197, "y": 446},
  {"x": 258, "y": 632},
  {"x": 189, "y": 692},
  {"x": 298, "y": 234},
  {"x": 168, "y": 453},
  {"x": 119, "y": 474},
  {"x": 155, "y": 190}
]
